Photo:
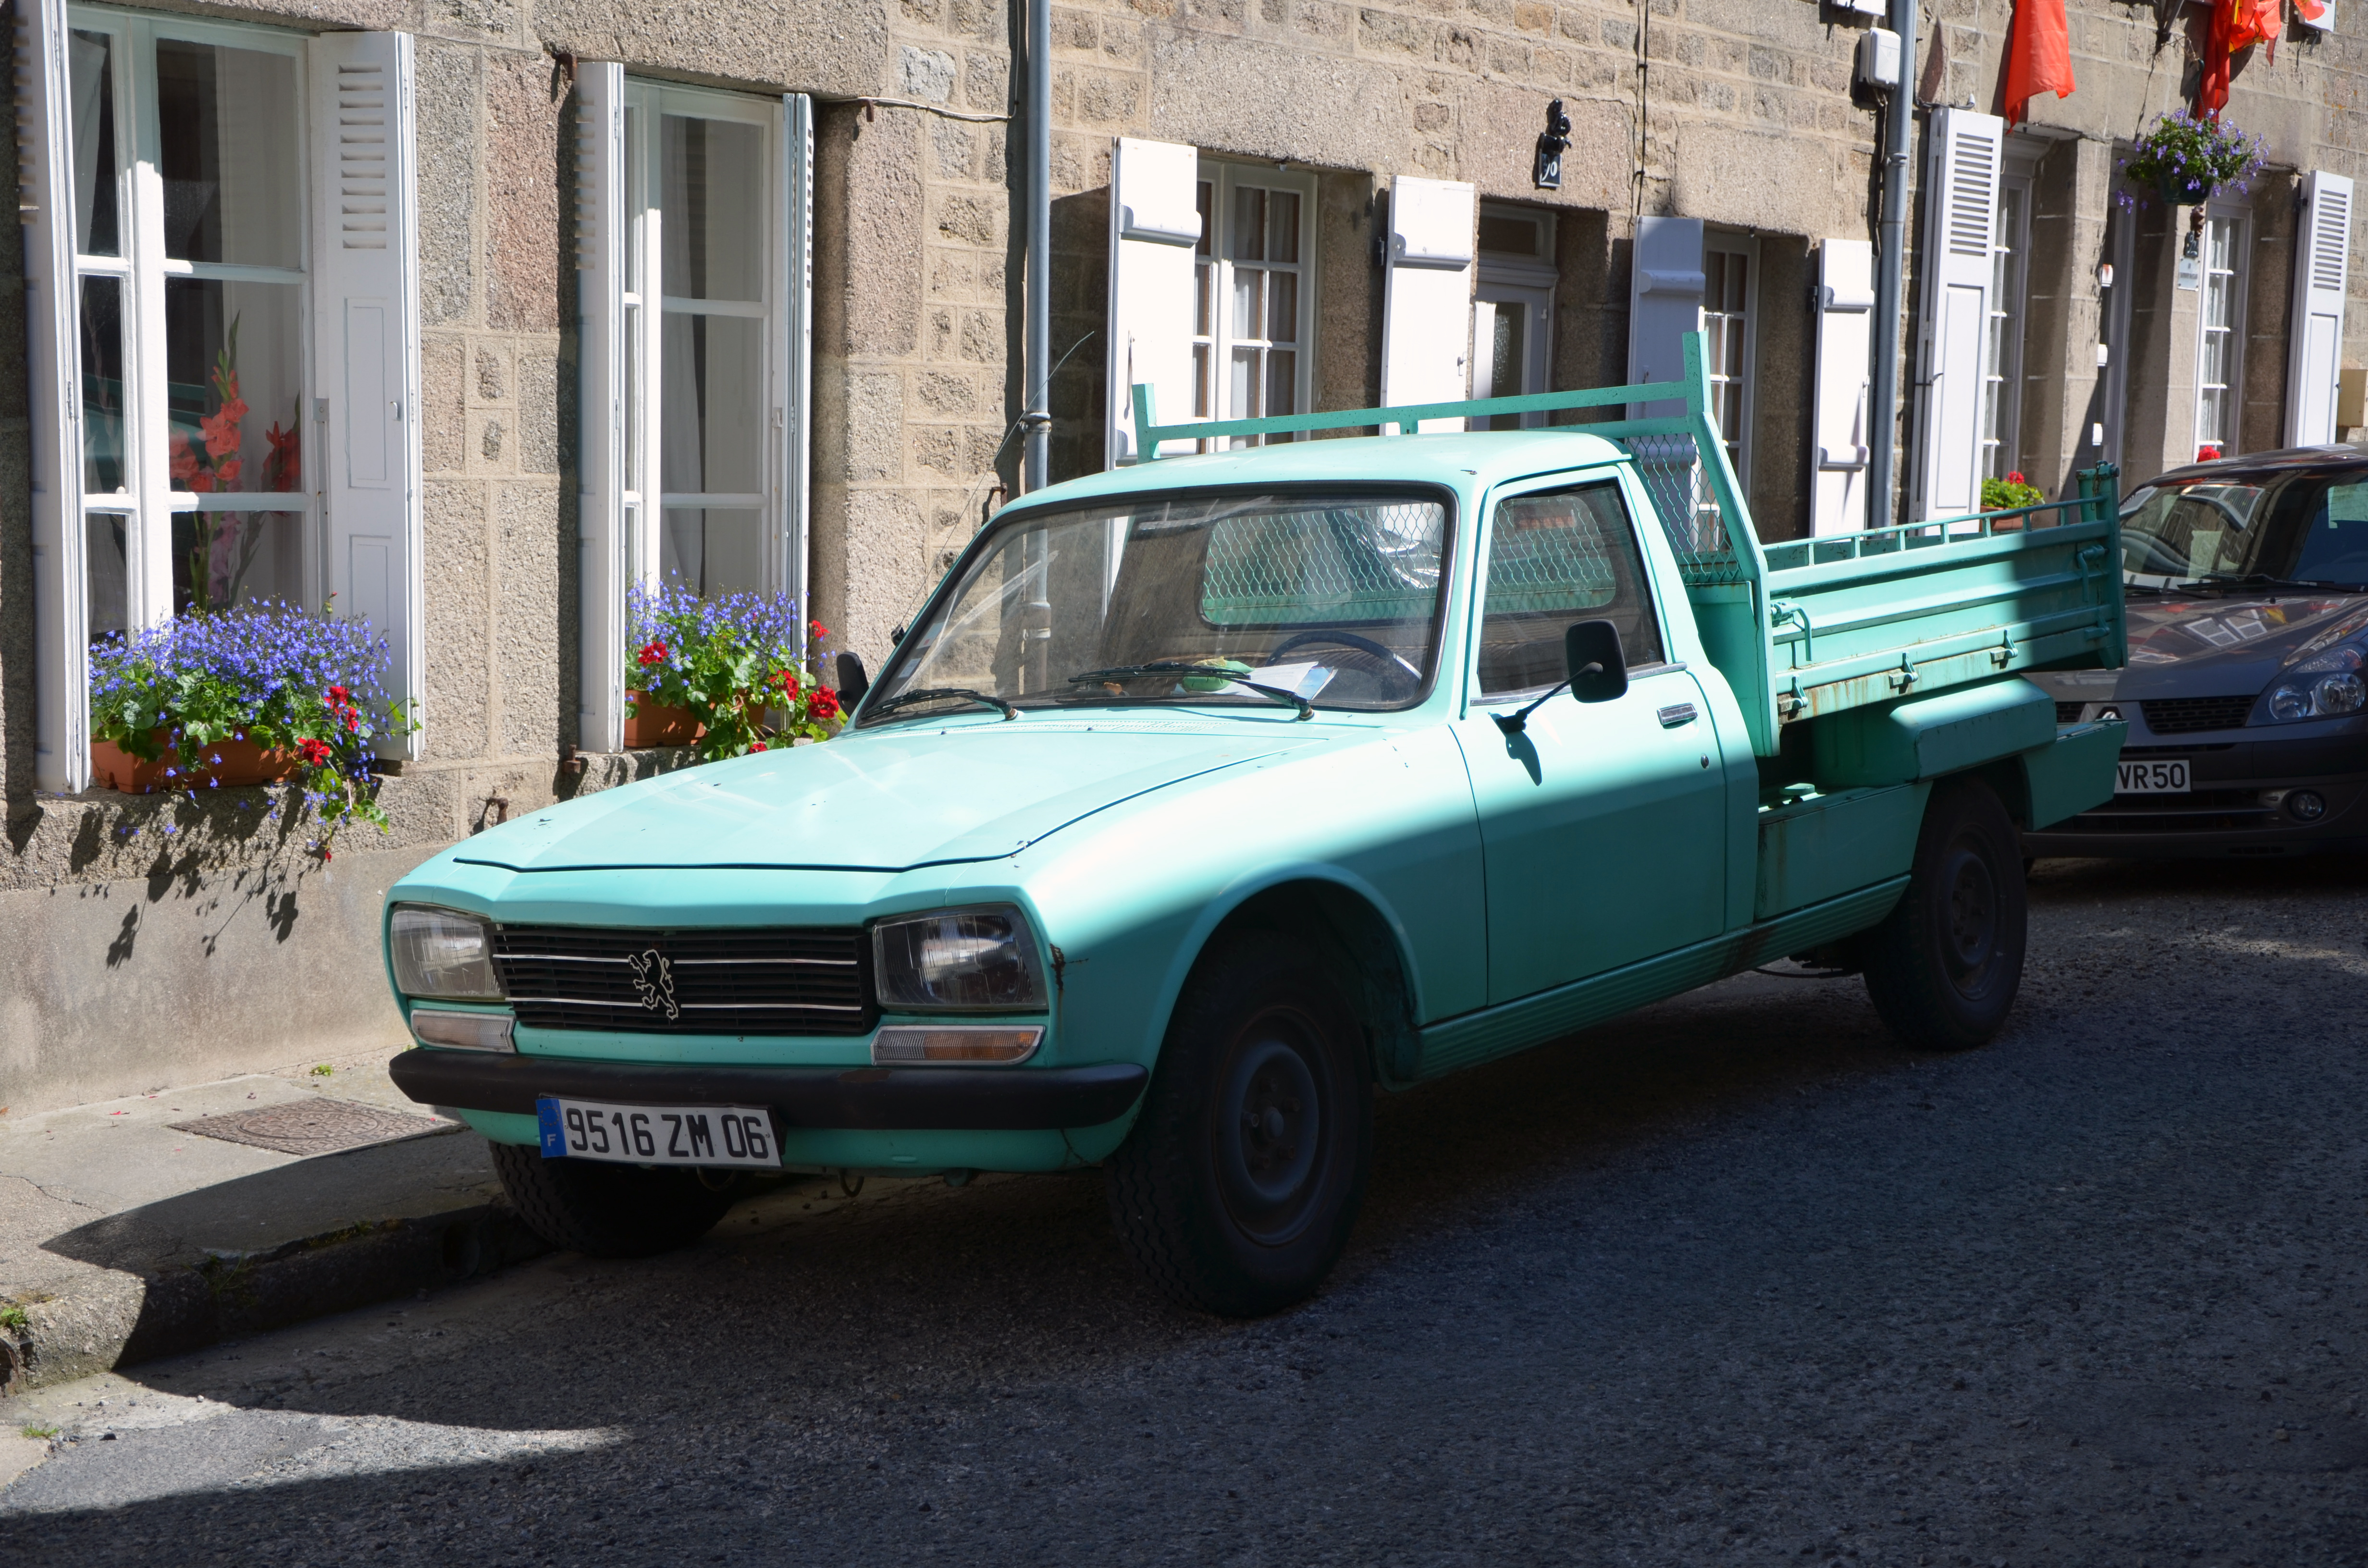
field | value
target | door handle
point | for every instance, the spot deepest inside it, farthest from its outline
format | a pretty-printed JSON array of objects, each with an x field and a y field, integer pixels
[{"x": 1677, "y": 713}]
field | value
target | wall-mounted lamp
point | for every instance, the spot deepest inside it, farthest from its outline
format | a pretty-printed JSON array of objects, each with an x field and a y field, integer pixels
[{"x": 1552, "y": 141}]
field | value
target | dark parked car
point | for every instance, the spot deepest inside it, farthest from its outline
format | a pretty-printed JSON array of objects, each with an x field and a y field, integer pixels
[{"x": 2247, "y": 592}]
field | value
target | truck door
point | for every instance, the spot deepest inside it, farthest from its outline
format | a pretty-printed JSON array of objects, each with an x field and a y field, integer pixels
[{"x": 1603, "y": 825}]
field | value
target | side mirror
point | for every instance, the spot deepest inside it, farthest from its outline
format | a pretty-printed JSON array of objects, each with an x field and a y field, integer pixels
[
  {"x": 852, "y": 682},
  {"x": 1590, "y": 653}
]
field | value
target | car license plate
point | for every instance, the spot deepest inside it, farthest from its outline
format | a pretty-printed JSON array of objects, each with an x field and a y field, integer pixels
[
  {"x": 657, "y": 1134},
  {"x": 2165, "y": 778}
]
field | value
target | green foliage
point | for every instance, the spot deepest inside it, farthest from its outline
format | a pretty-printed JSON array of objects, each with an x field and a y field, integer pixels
[
  {"x": 2001, "y": 494},
  {"x": 736, "y": 663},
  {"x": 2184, "y": 159}
]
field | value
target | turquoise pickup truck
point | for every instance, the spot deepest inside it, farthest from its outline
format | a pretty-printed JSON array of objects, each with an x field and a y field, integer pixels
[{"x": 1208, "y": 795}]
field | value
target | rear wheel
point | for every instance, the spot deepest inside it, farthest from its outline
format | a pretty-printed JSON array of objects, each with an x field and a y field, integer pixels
[
  {"x": 1946, "y": 964},
  {"x": 613, "y": 1210},
  {"x": 1237, "y": 1186}
]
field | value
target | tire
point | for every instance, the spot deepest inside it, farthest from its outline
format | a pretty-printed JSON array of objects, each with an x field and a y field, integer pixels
[
  {"x": 608, "y": 1211},
  {"x": 1236, "y": 1188},
  {"x": 1946, "y": 964}
]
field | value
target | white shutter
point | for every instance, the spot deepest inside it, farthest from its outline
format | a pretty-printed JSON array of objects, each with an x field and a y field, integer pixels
[
  {"x": 1665, "y": 298},
  {"x": 45, "y": 192},
  {"x": 1426, "y": 297},
  {"x": 1839, "y": 434},
  {"x": 601, "y": 401},
  {"x": 1961, "y": 192},
  {"x": 793, "y": 416},
  {"x": 1154, "y": 224},
  {"x": 2316, "y": 358},
  {"x": 366, "y": 339}
]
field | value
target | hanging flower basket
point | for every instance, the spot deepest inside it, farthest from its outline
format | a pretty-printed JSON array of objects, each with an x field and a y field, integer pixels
[
  {"x": 728, "y": 675},
  {"x": 2186, "y": 161}
]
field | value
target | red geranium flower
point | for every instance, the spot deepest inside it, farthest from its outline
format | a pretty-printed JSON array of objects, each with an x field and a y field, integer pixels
[
  {"x": 340, "y": 696},
  {"x": 2014, "y": 476},
  {"x": 819, "y": 629},
  {"x": 314, "y": 753},
  {"x": 759, "y": 745},
  {"x": 2207, "y": 454},
  {"x": 654, "y": 654},
  {"x": 823, "y": 703}
]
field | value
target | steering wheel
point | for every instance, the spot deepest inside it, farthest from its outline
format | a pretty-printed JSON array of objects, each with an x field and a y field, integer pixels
[{"x": 1412, "y": 677}]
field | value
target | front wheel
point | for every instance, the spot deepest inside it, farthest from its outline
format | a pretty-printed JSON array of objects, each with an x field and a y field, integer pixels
[
  {"x": 609, "y": 1210},
  {"x": 1944, "y": 967},
  {"x": 1237, "y": 1186}
]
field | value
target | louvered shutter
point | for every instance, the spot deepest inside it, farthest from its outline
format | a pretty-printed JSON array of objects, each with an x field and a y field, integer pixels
[
  {"x": 45, "y": 204},
  {"x": 1426, "y": 297},
  {"x": 794, "y": 416},
  {"x": 366, "y": 339},
  {"x": 1838, "y": 433},
  {"x": 1961, "y": 189},
  {"x": 2316, "y": 358},
  {"x": 1665, "y": 298},
  {"x": 1154, "y": 224},
  {"x": 601, "y": 400}
]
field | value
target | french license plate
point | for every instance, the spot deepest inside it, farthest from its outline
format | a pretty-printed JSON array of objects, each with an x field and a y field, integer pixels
[
  {"x": 657, "y": 1134},
  {"x": 2165, "y": 778}
]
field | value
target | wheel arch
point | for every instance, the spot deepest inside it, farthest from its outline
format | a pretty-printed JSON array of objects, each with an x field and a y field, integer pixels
[{"x": 1361, "y": 945}]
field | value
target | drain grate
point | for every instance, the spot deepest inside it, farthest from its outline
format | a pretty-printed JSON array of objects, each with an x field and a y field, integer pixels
[{"x": 313, "y": 1127}]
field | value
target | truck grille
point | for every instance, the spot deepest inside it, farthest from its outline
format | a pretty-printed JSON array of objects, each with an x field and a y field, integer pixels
[
  {"x": 755, "y": 982},
  {"x": 2185, "y": 715},
  {"x": 2068, "y": 712}
]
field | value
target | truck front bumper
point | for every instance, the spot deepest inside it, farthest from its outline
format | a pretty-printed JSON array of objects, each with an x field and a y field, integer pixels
[{"x": 840, "y": 1098}]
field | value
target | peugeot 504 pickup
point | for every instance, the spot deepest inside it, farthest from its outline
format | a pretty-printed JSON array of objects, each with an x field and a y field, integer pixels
[{"x": 1208, "y": 795}]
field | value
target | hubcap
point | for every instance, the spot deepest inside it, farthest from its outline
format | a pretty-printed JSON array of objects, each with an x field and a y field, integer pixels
[
  {"x": 1969, "y": 917},
  {"x": 1270, "y": 1128}
]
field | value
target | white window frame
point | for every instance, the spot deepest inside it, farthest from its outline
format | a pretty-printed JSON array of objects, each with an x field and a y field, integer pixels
[
  {"x": 2239, "y": 221},
  {"x": 782, "y": 515},
  {"x": 1737, "y": 442},
  {"x": 1213, "y": 280},
  {"x": 1514, "y": 281},
  {"x": 2009, "y": 290}
]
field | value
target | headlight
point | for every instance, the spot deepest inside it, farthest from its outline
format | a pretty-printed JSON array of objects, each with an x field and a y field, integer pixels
[
  {"x": 963, "y": 959},
  {"x": 441, "y": 952},
  {"x": 2315, "y": 691}
]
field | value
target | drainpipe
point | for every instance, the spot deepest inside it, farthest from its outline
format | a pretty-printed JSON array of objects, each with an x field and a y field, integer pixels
[
  {"x": 1890, "y": 274},
  {"x": 1036, "y": 355}
]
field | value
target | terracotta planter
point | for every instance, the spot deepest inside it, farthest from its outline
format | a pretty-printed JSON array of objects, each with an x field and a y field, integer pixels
[
  {"x": 243, "y": 762},
  {"x": 655, "y": 724}
]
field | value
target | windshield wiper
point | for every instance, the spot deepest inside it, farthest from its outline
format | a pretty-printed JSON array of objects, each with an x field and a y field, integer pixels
[
  {"x": 1198, "y": 672},
  {"x": 2263, "y": 580},
  {"x": 955, "y": 693}
]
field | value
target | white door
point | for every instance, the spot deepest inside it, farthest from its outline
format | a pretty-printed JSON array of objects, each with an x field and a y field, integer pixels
[{"x": 1426, "y": 296}]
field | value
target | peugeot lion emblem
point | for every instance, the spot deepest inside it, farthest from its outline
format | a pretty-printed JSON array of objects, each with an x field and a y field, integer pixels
[{"x": 653, "y": 978}]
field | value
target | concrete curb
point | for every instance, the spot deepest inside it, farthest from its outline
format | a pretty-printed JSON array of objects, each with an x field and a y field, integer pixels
[{"x": 122, "y": 1319}]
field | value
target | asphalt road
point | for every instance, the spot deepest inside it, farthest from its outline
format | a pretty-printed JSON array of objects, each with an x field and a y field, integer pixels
[{"x": 1729, "y": 1281}]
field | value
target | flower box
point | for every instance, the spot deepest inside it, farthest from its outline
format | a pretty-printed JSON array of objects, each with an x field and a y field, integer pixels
[
  {"x": 649, "y": 724},
  {"x": 225, "y": 762}
]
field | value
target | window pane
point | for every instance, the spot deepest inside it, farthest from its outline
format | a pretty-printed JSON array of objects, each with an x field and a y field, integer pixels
[
  {"x": 1201, "y": 271},
  {"x": 1505, "y": 360},
  {"x": 1282, "y": 306},
  {"x": 1247, "y": 241},
  {"x": 711, "y": 435},
  {"x": 711, "y": 551},
  {"x": 91, "y": 61},
  {"x": 632, "y": 398},
  {"x": 1203, "y": 198},
  {"x": 221, "y": 559},
  {"x": 1282, "y": 225},
  {"x": 712, "y": 209},
  {"x": 2208, "y": 416},
  {"x": 1248, "y": 316},
  {"x": 1738, "y": 280},
  {"x": 234, "y": 357},
  {"x": 226, "y": 131},
  {"x": 1241, "y": 395},
  {"x": 102, "y": 385},
  {"x": 1554, "y": 560},
  {"x": 1200, "y": 382},
  {"x": 106, "y": 576},
  {"x": 1281, "y": 390}
]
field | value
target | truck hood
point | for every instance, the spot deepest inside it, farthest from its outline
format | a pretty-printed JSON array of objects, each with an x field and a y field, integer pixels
[
  {"x": 2217, "y": 646},
  {"x": 889, "y": 801}
]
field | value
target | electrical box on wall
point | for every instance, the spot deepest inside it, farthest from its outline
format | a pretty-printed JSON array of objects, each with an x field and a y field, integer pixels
[{"x": 1878, "y": 59}]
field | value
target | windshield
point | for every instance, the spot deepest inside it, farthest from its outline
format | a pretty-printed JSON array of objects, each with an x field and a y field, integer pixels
[
  {"x": 1330, "y": 599},
  {"x": 2310, "y": 527}
]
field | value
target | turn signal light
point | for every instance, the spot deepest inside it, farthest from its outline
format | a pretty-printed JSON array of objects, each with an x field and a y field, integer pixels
[
  {"x": 464, "y": 1031},
  {"x": 919, "y": 1047}
]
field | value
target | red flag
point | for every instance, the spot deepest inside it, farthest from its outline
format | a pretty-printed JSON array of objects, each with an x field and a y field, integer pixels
[
  {"x": 2038, "y": 56},
  {"x": 2211, "y": 83}
]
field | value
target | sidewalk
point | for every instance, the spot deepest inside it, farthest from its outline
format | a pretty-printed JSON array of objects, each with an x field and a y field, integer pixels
[{"x": 124, "y": 1238}]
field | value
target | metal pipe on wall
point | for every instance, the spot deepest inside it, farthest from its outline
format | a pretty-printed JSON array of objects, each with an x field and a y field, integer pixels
[
  {"x": 1035, "y": 470},
  {"x": 1890, "y": 275}
]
